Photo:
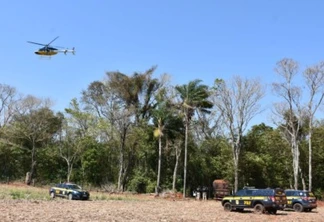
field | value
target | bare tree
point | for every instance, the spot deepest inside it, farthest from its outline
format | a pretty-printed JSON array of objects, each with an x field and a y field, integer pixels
[
  {"x": 314, "y": 77},
  {"x": 75, "y": 128},
  {"x": 238, "y": 102},
  {"x": 70, "y": 146},
  {"x": 290, "y": 111},
  {"x": 8, "y": 98}
]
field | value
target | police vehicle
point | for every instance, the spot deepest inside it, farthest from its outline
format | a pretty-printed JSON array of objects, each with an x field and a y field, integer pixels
[
  {"x": 301, "y": 200},
  {"x": 261, "y": 200},
  {"x": 69, "y": 190}
]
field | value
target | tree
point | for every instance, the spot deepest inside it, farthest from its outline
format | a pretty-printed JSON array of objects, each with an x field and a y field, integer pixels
[
  {"x": 167, "y": 123},
  {"x": 161, "y": 117},
  {"x": 194, "y": 97},
  {"x": 289, "y": 111},
  {"x": 32, "y": 126},
  {"x": 238, "y": 102},
  {"x": 265, "y": 154},
  {"x": 314, "y": 77},
  {"x": 7, "y": 101},
  {"x": 136, "y": 91}
]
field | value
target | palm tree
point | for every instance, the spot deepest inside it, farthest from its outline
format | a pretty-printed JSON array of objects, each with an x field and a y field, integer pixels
[
  {"x": 194, "y": 97},
  {"x": 167, "y": 122}
]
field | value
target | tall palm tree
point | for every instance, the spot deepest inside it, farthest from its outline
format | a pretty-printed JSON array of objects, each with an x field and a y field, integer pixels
[
  {"x": 194, "y": 97},
  {"x": 167, "y": 122}
]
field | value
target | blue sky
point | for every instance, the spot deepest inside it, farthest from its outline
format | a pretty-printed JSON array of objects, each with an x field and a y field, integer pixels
[{"x": 188, "y": 39}]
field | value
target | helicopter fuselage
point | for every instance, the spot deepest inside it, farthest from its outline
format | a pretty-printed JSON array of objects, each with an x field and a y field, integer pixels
[{"x": 47, "y": 51}]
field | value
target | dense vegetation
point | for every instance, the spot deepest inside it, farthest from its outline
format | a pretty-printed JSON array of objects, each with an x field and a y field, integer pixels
[{"x": 142, "y": 134}]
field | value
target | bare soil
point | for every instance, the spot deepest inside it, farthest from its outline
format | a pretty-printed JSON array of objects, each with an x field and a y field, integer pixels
[{"x": 143, "y": 209}]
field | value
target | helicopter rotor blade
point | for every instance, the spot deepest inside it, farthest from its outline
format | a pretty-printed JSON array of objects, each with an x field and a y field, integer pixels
[
  {"x": 52, "y": 41},
  {"x": 36, "y": 43}
]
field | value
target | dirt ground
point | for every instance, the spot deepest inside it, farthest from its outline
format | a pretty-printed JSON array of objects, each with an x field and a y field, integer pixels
[{"x": 149, "y": 209}]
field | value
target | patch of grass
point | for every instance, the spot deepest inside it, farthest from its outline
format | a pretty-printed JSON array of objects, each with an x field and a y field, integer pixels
[
  {"x": 17, "y": 194},
  {"x": 23, "y": 193},
  {"x": 104, "y": 196}
]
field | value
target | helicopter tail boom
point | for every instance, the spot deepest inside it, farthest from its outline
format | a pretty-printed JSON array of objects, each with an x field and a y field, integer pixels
[{"x": 69, "y": 50}]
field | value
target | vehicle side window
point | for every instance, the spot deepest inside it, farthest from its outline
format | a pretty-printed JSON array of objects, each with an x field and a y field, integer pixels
[{"x": 240, "y": 193}]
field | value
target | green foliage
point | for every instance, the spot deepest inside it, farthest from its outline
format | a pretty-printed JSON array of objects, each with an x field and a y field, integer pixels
[
  {"x": 140, "y": 183},
  {"x": 97, "y": 169},
  {"x": 11, "y": 167},
  {"x": 265, "y": 158},
  {"x": 319, "y": 193}
]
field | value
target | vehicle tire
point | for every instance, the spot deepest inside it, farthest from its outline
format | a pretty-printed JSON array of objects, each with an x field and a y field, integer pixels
[
  {"x": 228, "y": 207},
  {"x": 298, "y": 207},
  {"x": 259, "y": 209},
  {"x": 70, "y": 197},
  {"x": 52, "y": 195}
]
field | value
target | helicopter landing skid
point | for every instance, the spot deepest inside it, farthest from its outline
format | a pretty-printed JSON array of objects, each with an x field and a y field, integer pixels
[{"x": 45, "y": 57}]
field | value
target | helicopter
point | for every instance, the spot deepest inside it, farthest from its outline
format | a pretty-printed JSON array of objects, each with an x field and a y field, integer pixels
[{"x": 48, "y": 50}]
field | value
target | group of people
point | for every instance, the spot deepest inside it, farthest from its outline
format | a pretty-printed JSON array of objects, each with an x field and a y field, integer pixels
[{"x": 201, "y": 193}]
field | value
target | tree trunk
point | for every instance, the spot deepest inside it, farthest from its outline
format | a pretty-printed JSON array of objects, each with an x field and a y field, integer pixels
[
  {"x": 295, "y": 150},
  {"x": 310, "y": 178},
  {"x": 70, "y": 169},
  {"x": 185, "y": 160},
  {"x": 177, "y": 153},
  {"x": 121, "y": 169},
  {"x": 33, "y": 165},
  {"x": 235, "y": 150},
  {"x": 157, "y": 189},
  {"x": 121, "y": 159},
  {"x": 302, "y": 179}
]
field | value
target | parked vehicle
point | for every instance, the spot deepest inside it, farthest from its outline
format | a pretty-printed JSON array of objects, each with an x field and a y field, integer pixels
[
  {"x": 301, "y": 200},
  {"x": 261, "y": 200},
  {"x": 221, "y": 189},
  {"x": 69, "y": 190}
]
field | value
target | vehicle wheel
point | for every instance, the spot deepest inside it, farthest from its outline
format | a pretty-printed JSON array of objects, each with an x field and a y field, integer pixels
[
  {"x": 298, "y": 207},
  {"x": 259, "y": 209},
  {"x": 228, "y": 206},
  {"x": 70, "y": 197},
  {"x": 52, "y": 195}
]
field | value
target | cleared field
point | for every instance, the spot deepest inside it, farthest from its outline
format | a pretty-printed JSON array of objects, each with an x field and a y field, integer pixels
[{"x": 106, "y": 207}]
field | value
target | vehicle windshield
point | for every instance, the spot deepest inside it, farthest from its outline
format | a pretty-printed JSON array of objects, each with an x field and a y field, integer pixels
[{"x": 74, "y": 186}]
